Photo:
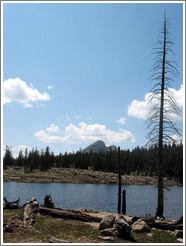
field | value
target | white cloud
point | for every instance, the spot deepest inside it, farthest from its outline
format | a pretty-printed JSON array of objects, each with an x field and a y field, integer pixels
[
  {"x": 121, "y": 120},
  {"x": 177, "y": 139},
  {"x": 46, "y": 138},
  {"x": 16, "y": 90},
  {"x": 21, "y": 147},
  {"x": 18, "y": 147},
  {"x": 52, "y": 128},
  {"x": 50, "y": 87},
  {"x": 85, "y": 133},
  {"x": 15, "y": 149},
  {"x": 67, "y": 118},
  {"x": 141, "y": 109}
]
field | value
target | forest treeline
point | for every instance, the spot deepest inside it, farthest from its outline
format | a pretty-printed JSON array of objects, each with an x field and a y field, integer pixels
[{"x": 140, "y": 160}]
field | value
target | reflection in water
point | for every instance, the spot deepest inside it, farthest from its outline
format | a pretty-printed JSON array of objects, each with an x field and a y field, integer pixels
[{"x": 140, "y": 199}]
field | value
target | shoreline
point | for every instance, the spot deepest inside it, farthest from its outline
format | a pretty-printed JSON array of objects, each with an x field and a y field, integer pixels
[
  {"x": 83, "y": 226},
  {"x": 79, "y": 176}
]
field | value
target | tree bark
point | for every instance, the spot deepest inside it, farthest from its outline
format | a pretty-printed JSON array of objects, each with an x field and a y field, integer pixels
[
  {"x": 69, "y": 215},
  {"x": 11, "y": 205},
  {"x": 160, "y": 207}
]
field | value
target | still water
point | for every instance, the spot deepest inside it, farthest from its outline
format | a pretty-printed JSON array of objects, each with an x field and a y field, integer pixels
[{"x": 140, "y": 199}]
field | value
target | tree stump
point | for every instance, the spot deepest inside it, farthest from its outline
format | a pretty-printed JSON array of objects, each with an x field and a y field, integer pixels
[{"x": 29, "y": 210}]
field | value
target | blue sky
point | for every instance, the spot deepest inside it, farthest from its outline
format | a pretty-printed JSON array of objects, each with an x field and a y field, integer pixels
[{"x": 74, "y": 73}]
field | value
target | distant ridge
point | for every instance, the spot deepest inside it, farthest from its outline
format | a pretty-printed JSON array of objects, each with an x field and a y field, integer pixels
[{"x": 97, "y": 147}]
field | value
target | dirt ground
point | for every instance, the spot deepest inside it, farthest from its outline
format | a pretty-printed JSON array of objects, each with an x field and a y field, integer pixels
[{"x": 71, "y": 175}]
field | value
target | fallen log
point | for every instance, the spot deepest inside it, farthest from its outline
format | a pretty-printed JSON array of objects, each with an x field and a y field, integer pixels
[
  {"x": 57, "y": 240},
  {"x": 65, "y": 214},
  {"x": 11, "y": 205},
  {"x": 165, "y": 225},
  {"x": 159, "y": 224}
]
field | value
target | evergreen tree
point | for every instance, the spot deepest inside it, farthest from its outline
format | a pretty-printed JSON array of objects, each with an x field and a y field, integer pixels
[{"x": 8, "y": 158}]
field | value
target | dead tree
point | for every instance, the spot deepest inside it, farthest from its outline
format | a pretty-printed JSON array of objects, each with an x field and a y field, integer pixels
[
  {"x": 11, "y": 205},
  {"x": 119, "y": 181},
  {"x": 160, "y": 121}
]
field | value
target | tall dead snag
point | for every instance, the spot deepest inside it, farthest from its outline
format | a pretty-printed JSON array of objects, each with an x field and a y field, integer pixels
[
  {"x": 160, "y": 121},
  {"x": 119, "y": 182}
]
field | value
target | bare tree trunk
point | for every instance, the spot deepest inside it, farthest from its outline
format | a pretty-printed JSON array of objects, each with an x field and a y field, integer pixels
[
  {"x": 160, "y": 207},
  {"x": 119, "y": 182},
  {"x": 160, "y": 122}
]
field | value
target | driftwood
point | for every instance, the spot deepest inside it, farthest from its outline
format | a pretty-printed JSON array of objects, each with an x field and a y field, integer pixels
[
  {"x": 11, "y": 205},
  {"x": 57, "y": 240},
  {"x": 13, "y": 225},
  {"x": 75, "y": 215},
  {"x": 163, "y": 224}
]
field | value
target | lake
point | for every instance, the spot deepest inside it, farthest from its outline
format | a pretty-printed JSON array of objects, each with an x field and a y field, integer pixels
[{"x": 140, "y": 199}]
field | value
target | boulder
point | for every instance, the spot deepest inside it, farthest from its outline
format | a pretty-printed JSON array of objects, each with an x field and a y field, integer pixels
[
  {"x": 110, "y": 232},
  {"x": 140, "y": 226},
  {"x": 122, "y": 227},
  {"x": 130, "y": 219},
  {"x": 107, "y": 222}
]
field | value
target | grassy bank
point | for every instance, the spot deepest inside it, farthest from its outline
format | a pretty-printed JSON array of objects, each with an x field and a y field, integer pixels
[
  {"x": 71, "y": 175},
  {"x": 72, "y": 230}
]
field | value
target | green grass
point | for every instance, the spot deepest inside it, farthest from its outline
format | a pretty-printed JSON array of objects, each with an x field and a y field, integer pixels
[{"x": 71, "y": 230}]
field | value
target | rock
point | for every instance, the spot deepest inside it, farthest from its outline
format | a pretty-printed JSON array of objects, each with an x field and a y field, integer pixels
[
  {"x": 150, "y": 234},
  {"x": 122, "y": 227},
  {"x": 130, "y": 219},
  {"x": 110, "y": 232},
  {"x": 107, "y": 222},
  {"x": 140, "y": 226},
  {"x": 149, "y": 220},
  {"x": 180, "y": 240},
  {"x": 177, "y": 233}
]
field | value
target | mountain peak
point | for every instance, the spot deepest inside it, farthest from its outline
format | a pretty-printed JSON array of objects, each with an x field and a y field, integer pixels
[{"x": 96, "y": 147}]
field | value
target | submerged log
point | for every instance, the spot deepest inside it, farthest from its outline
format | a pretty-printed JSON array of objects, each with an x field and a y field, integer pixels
[
  {"x": 76, "y": 215},
  {"x": 57, "y": 240}
]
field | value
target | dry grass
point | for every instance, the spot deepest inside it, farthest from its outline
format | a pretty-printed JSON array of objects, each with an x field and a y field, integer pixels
[{"x": 71, "y": 175}]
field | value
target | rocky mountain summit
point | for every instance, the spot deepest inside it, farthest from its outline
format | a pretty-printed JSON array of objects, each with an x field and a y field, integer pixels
[{"x": 96, "y": 147}]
